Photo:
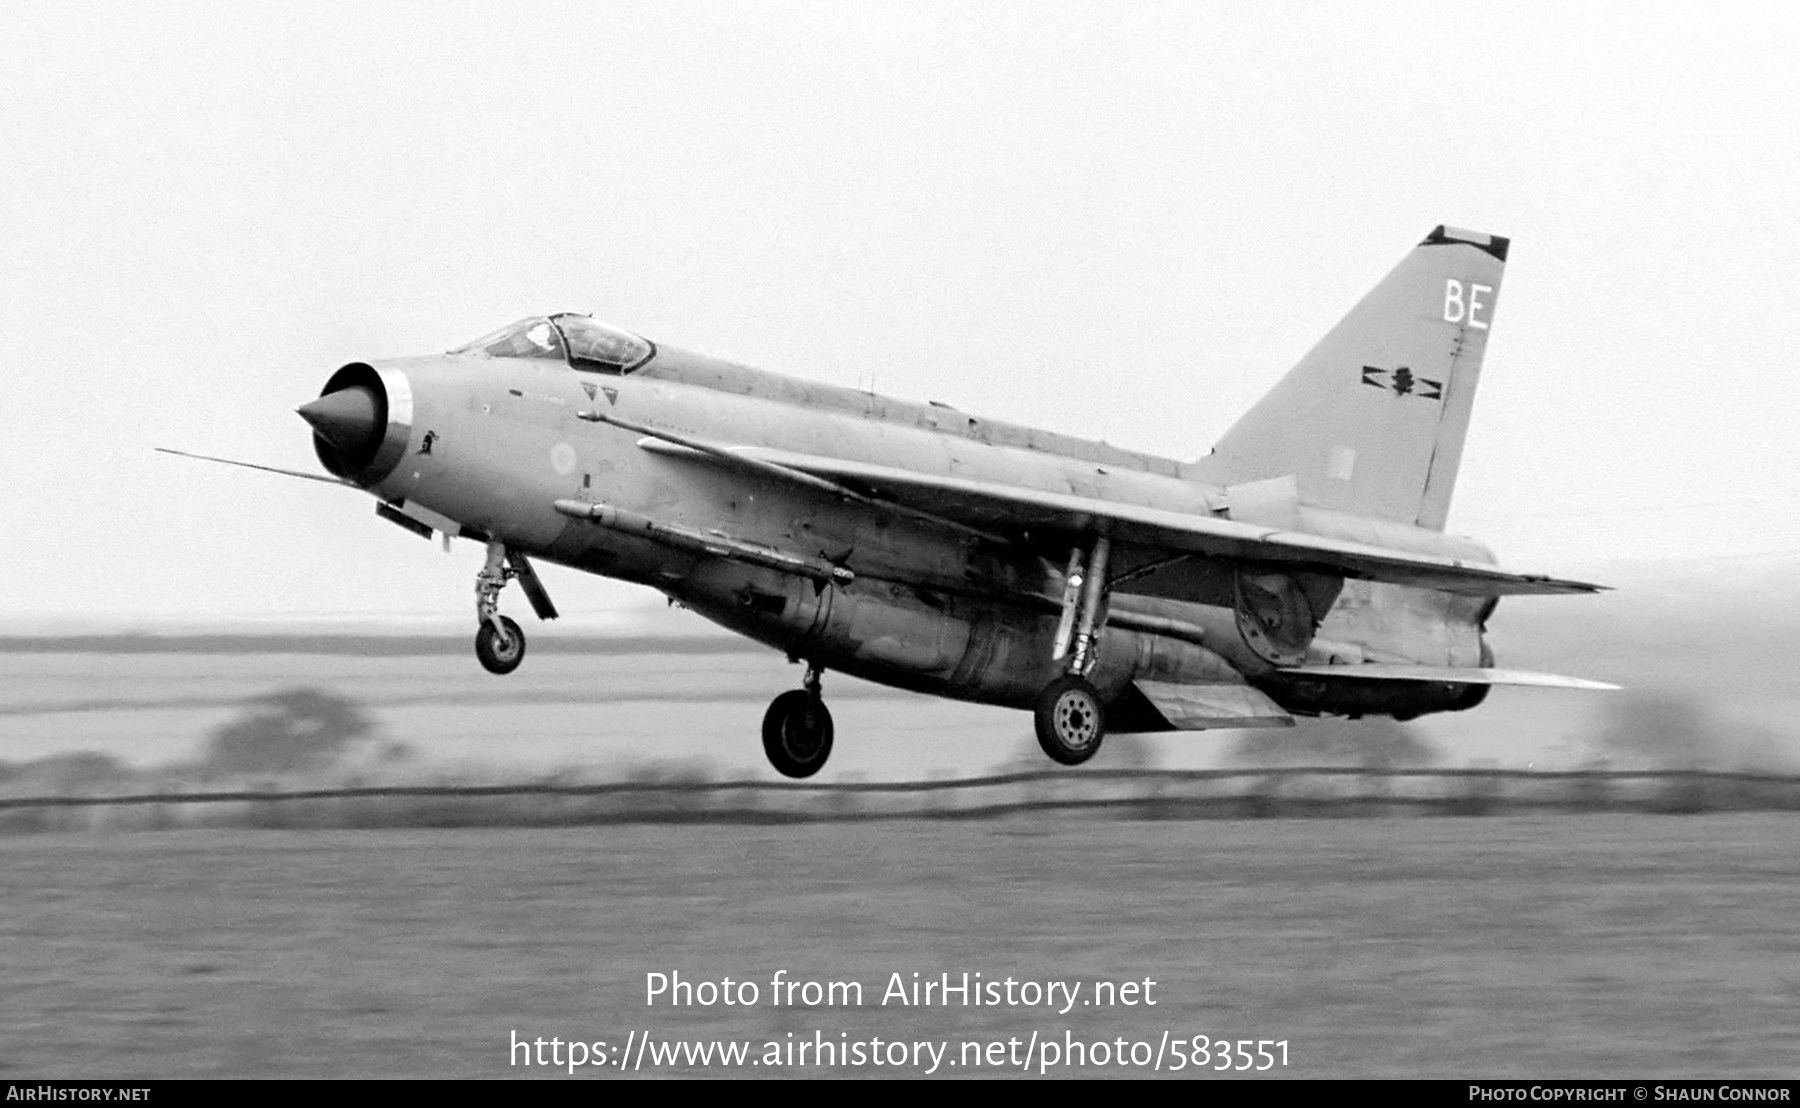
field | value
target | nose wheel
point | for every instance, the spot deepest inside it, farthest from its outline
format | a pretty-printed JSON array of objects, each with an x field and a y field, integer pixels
[
  {"x": 500, "y": 645},
  {"x": 797, "y": 730}
]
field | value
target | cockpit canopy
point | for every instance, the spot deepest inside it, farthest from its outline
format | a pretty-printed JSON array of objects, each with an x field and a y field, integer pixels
[{"x": 582, "y": 341}]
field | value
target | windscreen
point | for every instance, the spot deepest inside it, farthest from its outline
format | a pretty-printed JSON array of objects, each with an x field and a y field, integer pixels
[{"x": 528, "y": 338}]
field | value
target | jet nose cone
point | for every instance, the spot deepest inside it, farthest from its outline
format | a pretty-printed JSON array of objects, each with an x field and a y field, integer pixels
[{"x": 348, "y": 419}]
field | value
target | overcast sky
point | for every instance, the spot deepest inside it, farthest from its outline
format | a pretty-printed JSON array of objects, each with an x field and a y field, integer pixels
[{"x": 1117, "y": 220}]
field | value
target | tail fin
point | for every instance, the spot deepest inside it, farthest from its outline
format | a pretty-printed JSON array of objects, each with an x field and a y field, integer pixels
[{"x": 1372, "y": 420}]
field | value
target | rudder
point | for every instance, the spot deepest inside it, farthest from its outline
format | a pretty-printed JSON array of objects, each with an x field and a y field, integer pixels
[{"x": 1372, "y": 420}]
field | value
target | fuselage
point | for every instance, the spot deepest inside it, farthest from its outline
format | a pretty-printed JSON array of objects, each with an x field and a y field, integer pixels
[{"x": 492, "y": 443}]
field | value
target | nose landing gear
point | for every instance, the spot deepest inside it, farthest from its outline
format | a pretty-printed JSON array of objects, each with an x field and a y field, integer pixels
[
  {"x": 797, "y": 729},
  {"x": 499, "y": 642}
]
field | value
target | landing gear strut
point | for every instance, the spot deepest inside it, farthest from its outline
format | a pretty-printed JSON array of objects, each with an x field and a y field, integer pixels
[
  {"x": 1070, "y": 718},
  {"x": 797, "y": 729}
]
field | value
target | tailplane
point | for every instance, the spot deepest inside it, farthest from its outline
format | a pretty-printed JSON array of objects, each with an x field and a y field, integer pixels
[{"x": 1372, "y": 420}]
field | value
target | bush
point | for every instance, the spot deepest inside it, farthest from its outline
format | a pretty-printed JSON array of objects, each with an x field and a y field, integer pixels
[{"x": 293, "y": 731}]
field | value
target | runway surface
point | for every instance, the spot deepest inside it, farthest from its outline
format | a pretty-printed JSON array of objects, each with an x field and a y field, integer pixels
[{"x": 1531, "y": 946}]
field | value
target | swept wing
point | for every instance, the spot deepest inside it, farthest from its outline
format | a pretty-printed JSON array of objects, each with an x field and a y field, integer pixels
[
  {"x": 1374, "y": 671},
  {"x": 987, "y": 506}
]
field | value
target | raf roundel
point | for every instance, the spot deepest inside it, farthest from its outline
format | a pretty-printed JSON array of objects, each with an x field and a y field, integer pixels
[{"x": 562, "y": 459}]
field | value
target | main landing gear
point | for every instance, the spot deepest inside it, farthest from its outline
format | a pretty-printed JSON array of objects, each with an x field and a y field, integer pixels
[
  {"x": 797, "y": 729},
  {"x": 499, "y": 642},
  {"x": 1069, "y": 716}
]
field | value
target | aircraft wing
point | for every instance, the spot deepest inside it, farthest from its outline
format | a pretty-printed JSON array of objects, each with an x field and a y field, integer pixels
[
  {"x": 988, "y": 507},
  {"x": 1374, "y": 671},
  {"x": 993, "y": 506}
]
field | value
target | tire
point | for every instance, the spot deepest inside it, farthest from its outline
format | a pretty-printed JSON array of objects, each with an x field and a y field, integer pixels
[
  {"x": 797, "y": 733},
  {"x": 500, "y": 655},
  {"x": 1070, "y": 720}
]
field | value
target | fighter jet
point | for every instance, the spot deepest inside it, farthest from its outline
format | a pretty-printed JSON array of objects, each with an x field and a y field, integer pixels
[{"x": 1299, "y": 568}]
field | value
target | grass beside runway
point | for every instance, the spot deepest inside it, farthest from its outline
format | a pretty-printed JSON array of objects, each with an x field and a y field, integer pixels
[{"x": 1528, "y": 946}]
